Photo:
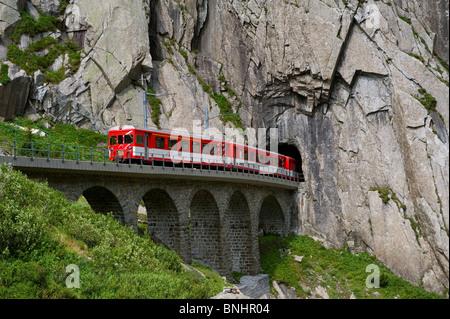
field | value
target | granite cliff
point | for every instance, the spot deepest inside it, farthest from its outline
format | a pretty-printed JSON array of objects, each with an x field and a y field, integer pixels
[{"x": 357, "y": 89}]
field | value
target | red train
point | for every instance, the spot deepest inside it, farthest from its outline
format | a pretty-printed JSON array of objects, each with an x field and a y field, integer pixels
[{"x": 147, "y": 146}]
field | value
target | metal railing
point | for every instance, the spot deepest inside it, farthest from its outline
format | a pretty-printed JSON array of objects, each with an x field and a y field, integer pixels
[
  {"x": 79, "y": 154},
  {"x": 64, "y": 152}
]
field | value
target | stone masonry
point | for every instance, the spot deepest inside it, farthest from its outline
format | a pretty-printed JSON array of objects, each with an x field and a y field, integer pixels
[{"x": 214, "y": 223}]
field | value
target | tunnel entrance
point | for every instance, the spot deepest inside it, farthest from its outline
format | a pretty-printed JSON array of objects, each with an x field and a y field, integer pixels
[{"x": 292, "y": 151}]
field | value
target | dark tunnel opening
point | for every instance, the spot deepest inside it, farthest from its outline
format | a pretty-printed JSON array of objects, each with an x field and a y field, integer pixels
[{"x": 292, "y": 151}]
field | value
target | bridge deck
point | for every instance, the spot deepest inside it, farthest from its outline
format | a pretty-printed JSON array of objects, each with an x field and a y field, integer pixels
[{"x": 26, "y": 164}]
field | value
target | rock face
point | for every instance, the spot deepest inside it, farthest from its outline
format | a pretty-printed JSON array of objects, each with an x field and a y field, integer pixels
[
  {"x": 358, "y": 88},
  {"x": 14, "y": 93}
]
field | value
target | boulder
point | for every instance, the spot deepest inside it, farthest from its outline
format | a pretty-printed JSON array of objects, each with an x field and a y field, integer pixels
[{"x": 256, "y": 287}]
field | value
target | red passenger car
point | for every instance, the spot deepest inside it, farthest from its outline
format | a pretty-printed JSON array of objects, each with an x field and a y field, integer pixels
[{"x": 147, "y": 146}]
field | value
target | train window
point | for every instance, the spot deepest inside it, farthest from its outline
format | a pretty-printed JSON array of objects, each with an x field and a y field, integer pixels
[
  {"x": 213, "y": 149},
  {"x": 128, "y": 139},
  {"x": 159, "y": 142},
  {"x": 196, "y": 147},
  {"x": 234, "y": 152},
  {"x": 219, "y": 147},
  {"x": 205, "y": 148},
  {"x": 139, "y": 139},
  {"x": 246, "y": 155},
  {"x": 172, "y": 143},
  {"x": 184, "y": 145},
  {"x": 113, "y": 140},
  {"x": 280, "y": 161},
  {"x": 120, "y": 139}
]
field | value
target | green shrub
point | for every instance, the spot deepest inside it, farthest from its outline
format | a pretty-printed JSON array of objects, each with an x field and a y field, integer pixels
[
  {"x": 21, "y": 225},
  {"x": 4, "y": 78},
  {"x": 32, "y": 27},
  {"x": 56, "y": 76},
  {"x": 41, "y": 233}
]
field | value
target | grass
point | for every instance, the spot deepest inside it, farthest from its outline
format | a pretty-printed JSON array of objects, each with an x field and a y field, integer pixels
[
  {"x": 339, "y": 271},
  {"x": 57, "y": 134},
  {"x": 42, "y": 233}
]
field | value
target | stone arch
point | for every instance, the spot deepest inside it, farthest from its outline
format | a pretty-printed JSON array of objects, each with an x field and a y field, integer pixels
[
  {"x": 240, "y": 234},
  {"x": 205, "y": 231},
  {"x": 271, "y": 217},
  {"x": 103, "y": 201},
  {"x": 163, "y": 218}
]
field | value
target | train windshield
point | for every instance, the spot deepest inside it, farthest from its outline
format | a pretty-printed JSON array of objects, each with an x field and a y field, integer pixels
[
  {"x": 128, "y": 139},
  {"x": 113, "y": 140}
]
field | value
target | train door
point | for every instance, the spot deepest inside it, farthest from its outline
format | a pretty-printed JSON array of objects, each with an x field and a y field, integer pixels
[{"x": 147, "y": 144}]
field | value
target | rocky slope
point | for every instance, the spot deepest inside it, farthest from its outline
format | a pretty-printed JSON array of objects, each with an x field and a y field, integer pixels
[{"x": 358, "y": 88}]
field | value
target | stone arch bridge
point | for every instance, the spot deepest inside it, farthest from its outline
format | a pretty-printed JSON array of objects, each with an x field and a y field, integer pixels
[{"x": 213, "y": 217}]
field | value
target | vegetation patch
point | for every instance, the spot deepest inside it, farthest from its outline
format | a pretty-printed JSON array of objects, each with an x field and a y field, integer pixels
[
  {"x": 42, "y": 233},
  {"x": 4, "y": 78},
  {"x": 56, "y": 135},
  {"x": 155, "y": 105},
  {"x": 429, "y": 103},
  {"x": 387, "y": 194},
  {"x": 31, "y": 27},
  {"x": 339, "y": 271},
  {"x": 41, "y": 54},
  {"x": 406, "y": 19}
]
